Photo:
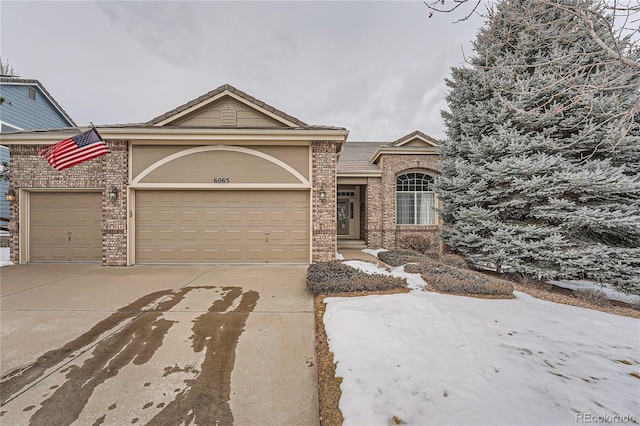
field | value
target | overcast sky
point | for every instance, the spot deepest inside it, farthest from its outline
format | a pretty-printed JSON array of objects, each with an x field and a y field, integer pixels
[{"x": 375, "y": 68}]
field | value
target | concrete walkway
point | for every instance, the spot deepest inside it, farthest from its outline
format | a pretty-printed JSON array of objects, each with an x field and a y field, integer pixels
[{"x": 85, "y": 344}]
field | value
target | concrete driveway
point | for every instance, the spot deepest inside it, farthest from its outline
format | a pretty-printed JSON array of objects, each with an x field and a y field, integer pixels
[{"x": 160, "y": 345}]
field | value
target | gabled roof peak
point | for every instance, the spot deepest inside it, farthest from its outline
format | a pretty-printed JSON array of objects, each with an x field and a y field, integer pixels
[
  {"x": 31, "y": 82},
  {"x": 417, "y": 134},
  {"x": 216, "y": 94}
]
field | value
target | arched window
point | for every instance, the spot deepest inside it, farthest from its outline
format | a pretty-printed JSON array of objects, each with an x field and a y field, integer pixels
[{"x": 415, "y": 200}]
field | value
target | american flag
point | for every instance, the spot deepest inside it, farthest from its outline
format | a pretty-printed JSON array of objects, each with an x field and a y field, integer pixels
[{"x": 75, "y": 150}]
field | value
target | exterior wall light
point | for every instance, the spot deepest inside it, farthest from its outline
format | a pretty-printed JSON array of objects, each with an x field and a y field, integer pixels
[
  {"x": 10, "y": 195},
  {"x": 112, "y": 194},
  {"x": 322, "y": 194}
]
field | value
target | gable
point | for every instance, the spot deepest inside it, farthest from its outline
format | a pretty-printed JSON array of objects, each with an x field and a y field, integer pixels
[
  {"x": 416, "y": 139},
  {"x": 227, "y": 112},
  {"x": 21, "y": 111},
  {"x": 226, "y": 106},
  {"x": 417, "y": 142}
]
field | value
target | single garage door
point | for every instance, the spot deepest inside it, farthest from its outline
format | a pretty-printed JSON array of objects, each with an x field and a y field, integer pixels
[
  {"x": 65, "y": 226},
  {"x": 222, "y": 226}
]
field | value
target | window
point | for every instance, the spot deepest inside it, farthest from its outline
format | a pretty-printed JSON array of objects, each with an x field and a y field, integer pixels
[
  {"x": 31, "y": 93},
  {"x": 415, "y": 199}
]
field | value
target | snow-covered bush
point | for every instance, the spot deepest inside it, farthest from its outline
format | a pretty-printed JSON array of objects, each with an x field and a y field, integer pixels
[{"x": 336, "y": 277}]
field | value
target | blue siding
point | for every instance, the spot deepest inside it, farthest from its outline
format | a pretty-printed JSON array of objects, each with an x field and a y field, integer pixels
[
  {"x": 21, "y": 111},
  {"x": 28, "y": 114}
]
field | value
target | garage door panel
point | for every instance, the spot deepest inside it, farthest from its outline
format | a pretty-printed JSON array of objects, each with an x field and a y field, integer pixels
[
  {"x": 223, "y": 226},
  {"x": 65, "y": 227},
  {"x": 300, "y": 236}
]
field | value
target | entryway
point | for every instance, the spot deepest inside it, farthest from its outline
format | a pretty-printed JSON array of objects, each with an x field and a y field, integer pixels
[{"x": 348, "y": 212}]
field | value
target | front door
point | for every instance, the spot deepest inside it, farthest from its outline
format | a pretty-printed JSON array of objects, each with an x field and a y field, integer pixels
[{"x": 343, "y": 214}]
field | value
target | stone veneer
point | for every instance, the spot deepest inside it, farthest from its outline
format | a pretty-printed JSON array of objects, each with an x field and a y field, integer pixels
[
  {"x": 28, "y": 172},
  {"x": 324, "y": 236},
  {"x": 381, "y": 198}
]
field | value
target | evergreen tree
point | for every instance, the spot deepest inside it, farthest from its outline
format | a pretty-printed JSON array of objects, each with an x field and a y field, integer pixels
[{"x": 541, "y": 161}]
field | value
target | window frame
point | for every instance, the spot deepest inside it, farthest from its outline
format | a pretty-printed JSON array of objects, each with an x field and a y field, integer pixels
[{"x": 417, "y": 184}]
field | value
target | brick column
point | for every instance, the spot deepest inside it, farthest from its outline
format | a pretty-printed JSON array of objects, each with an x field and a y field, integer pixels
[
  {"x": 388, "y": 182},
  {"x": 114, "y": 213},
  {"x": 374, "y": 213},
  {"x": 324, "y": 228}
]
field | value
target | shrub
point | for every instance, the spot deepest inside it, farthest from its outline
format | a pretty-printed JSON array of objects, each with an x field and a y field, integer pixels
[
  {"x": 454, "y": 260},
  {"x": 413, "y": 268},
  {"x": 336, "y": 277},
  {"x": 529, "y": 281},
  {"x": 420, "y": 242},
  {"x": 447, "y": 279},
  {"x": 592, "y": 295},
  {"x": 400, "y": 257}
]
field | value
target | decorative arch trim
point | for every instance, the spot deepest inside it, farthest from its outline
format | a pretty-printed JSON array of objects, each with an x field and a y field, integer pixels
[{"x": 240, "y": 149}]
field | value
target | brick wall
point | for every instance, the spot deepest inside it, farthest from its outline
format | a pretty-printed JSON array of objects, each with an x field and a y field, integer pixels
[
  {"x": 374, "y": 212},
  {"x": 324, "y": 232},
  {"x": 114, "y": 213},
  {"x": 391, "y": 165},
  {"x": 29, "y": 170}
]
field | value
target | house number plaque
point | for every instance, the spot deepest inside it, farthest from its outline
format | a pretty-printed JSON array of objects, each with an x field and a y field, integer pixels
[{"x": 221, "y": 180}]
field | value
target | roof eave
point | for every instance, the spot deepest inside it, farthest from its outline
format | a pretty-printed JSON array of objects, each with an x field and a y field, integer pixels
[
  {"x": 166, "y": 134},
  {"x": 401, "y": 150}
]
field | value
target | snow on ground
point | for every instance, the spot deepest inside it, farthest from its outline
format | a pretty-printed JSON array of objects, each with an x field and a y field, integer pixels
[
  {"x": 4, "y": 257},
  {"x": 429, "y": 358},
  {"x": 367, "y": 267},
  {"x": 339, "y": 256},
  {"x": 611, "y": 292},
  {"x": 414, "y": 281}
]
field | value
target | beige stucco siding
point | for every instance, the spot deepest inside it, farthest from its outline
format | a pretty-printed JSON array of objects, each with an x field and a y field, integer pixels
[
  {"x": 252, "y": 164},
  {"x": 210, "y": 167}
]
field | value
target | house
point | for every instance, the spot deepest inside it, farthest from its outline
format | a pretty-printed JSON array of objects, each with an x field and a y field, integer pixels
[
  {"x": 26, "y": 105},
  {"x": 224, "y": 178}
]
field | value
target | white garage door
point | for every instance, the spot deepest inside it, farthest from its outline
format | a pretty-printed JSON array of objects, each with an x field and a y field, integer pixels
[{"x": 222, "y": 226}]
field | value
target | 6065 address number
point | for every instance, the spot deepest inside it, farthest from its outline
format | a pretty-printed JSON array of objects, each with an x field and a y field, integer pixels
[{"x": 221, "y": 180}]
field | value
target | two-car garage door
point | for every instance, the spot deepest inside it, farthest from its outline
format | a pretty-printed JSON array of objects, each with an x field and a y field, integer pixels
[{"x": 235, "y": 226}]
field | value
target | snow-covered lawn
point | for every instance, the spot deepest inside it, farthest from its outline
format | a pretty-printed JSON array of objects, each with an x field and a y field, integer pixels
[{"x": 428, "y": 358}]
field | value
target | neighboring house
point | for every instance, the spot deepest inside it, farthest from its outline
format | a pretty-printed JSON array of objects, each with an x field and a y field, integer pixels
[
  {"x": 27, "y": 106},
  {"x": 224, "y": 178}
]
